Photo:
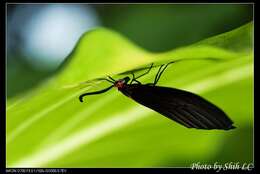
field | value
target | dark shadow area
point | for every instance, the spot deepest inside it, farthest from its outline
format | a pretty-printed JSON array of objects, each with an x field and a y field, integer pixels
[
  {"x": 232, "y": 150},
  {"x": 162, "y": 27},
  {"x": 235, "y": 150},
  {"x": 21, "y": 77}
]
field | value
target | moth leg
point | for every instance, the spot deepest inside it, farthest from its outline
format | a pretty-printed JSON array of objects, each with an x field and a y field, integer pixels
[
  {"x": 159, "y": 73},
  {"x": 145, "y": 72},
  {"x": 134, "y": 79},
  {"x": 113, "y": 80},
  {"x": 155, "y": 79},
  {"x": 137, "y": 81}
]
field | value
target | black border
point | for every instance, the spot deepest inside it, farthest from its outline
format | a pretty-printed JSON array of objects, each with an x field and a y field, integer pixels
[
  {"x": 124, "y": 170},
  {"x": 3, "y": 106}
]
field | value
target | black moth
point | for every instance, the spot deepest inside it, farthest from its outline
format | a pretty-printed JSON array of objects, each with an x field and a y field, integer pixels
[{"x": 186, "y": 108}]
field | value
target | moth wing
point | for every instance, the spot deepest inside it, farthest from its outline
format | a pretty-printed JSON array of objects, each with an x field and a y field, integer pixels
[{"x": 184, "y": 107}]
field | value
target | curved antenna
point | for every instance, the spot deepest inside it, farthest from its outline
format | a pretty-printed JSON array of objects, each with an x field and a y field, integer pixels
[{"x": 93, "y": 93}]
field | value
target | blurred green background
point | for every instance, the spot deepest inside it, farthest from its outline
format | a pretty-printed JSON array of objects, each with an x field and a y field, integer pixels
[
  {"x": 40, "y": 114},
  {"x": 153, "y": 27}
]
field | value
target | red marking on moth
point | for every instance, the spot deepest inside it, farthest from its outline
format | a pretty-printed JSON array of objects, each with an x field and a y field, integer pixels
[{"x": 120, "y": 84}]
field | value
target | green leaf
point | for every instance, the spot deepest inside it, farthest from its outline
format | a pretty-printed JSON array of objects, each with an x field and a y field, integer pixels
[{"x": 49, "y": 127}]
